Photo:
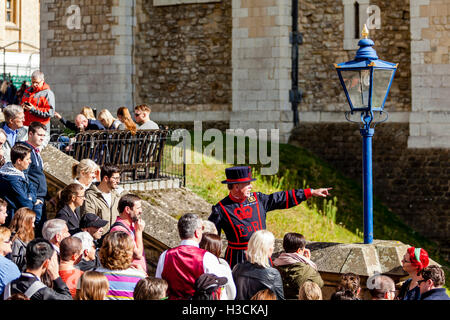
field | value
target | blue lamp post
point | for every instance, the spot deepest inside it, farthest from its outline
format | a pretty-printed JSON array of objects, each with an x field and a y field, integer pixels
[{"x": 366, "y": 81}]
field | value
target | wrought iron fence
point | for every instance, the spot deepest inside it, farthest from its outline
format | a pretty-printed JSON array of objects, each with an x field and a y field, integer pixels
[{"x": 147, "y": 156}]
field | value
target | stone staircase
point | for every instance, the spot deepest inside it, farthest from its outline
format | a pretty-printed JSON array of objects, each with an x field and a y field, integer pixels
[{"x": 161, "y": 229}]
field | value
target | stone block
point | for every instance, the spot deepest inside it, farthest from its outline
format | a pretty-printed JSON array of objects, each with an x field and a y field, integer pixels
[
  {"x": 309, "y": 116},
  {"x": 417, "y": 58},
  {"x": 418, "y": 117},
  {"x": 266, "y": 105},
  {"x": 239, "y": 33},
  {"x": 439, "y": 117},
  {"x": 67, "y": 61},
  {"x": 363, "y": 259},
  {"x": 440, "y": 69},
  {"x": 442, "y": 94},
  {"x": 240, "y": 12},
  {"x": 440, "y": 141},
  {"x": 419, "y": 142},
  {"x": 160, "y": 116},
  {"x": 414, "y": 129},
  {"x": 439, "y": 130},
  {"x": 285, "y": 127},
  {"x": 422, "y": 69},
  {"x": 240, "y": 75},
  {"x": 399, "y": 117},
  {"x": 332, "y": 117}
]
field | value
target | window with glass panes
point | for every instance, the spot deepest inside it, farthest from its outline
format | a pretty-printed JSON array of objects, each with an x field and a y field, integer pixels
[{"x": 10, "y": 11}]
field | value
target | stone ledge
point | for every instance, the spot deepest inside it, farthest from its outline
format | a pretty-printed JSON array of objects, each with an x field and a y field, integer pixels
[
  {"x": 365, "y": 260},
  {"x": 382, "y": 256}
]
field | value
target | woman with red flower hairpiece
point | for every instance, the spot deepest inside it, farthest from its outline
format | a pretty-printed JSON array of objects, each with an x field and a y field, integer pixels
[{"x": 414, "y": 260}]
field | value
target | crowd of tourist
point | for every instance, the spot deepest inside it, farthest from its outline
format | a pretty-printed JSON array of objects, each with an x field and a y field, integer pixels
[{"x": 94, "y": 247}]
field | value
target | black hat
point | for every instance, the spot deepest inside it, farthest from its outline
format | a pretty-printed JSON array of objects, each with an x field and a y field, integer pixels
[
  {"x": 206, "y": 285},
  {"x": 92, "y": 220},
  {"x": 238, "y": 175}
]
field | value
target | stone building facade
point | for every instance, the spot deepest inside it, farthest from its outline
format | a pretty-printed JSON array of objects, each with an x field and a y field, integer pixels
[
  {"x": 228, "y": 63},
  {"x": 19, "y": 21},
  {"x": 86, "y": 53}
]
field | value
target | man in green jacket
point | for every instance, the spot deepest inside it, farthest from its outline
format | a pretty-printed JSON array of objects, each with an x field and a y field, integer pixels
[
  {"x": 102, "y": 198},
  {"x": 295, "y": 265}
]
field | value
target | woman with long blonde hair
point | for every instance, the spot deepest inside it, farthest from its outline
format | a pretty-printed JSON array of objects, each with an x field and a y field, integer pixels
[
  {"x": 256, "y": 273},
  {"x": 92, "y": 285},
  {"x": 123, "y": 114},
  {"x": 107, "y": 120},
  {"x": 22, "y": 226}
]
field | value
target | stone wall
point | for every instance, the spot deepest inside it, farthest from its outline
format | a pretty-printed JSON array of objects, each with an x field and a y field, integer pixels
[
  {"x": 261, "y": 66},
  {"x": 413, "y": 183},
  {"x": 86, "y": 53},
  {"x": 322, "y": 23},
  {"x": 183, "y": 60},
  {"x": 92, "y": 38},
  {"x": 430, "y": 117}
]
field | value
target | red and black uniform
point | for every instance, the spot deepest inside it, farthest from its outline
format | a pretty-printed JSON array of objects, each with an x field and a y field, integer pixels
[{"x": 239, "y": 220}]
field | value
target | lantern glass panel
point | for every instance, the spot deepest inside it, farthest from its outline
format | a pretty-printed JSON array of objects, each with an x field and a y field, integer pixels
[
  {"x": 357, "y": 84},
  {"x": 381, "y": 80}
]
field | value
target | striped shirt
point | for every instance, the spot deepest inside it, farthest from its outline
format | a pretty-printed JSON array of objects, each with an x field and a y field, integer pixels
[{"x": 122, "y": 282}]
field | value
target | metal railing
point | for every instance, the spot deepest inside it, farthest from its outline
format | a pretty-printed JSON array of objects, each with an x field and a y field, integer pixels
[{"x": 146, "y": 156}]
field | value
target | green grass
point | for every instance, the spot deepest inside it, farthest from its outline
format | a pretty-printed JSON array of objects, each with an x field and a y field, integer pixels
[{"x": 337, "y": 219}]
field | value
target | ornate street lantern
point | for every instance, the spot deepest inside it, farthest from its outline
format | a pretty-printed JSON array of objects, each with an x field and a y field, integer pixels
[{"x": 366, "y": 81}]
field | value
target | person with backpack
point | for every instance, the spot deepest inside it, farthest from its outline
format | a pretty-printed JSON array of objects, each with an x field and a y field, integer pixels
[
  {"x": 130, "y": 221},
  {"x": 41, "y": 257}
]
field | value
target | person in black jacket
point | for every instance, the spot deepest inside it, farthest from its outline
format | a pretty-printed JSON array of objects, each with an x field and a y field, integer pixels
[
  {"x": 431, "y": 285},
  {"x": 14, "y": 185},
  {"x": 35, "y": 172},
  {"x": 256, "y": 274},
  {"x": 81, "y": 123},
  {"x": 70, "y": 200},
  {"x": 41, "y": 257}
]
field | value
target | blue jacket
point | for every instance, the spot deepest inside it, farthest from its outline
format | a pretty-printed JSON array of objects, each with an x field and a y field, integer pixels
[
  {"x": 15, "y": 189},
  {"x": 435, "y": 294},
  {"x": 35, "y": 173}
]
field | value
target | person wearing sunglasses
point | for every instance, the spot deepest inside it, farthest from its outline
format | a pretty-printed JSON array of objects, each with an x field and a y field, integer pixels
[
  {"x": 414, "y": 260},
  {"x": 142, "y": 116}
]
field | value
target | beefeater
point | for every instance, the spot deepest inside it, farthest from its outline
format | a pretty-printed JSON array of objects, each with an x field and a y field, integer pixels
[{"x": 243, "y": 212}]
